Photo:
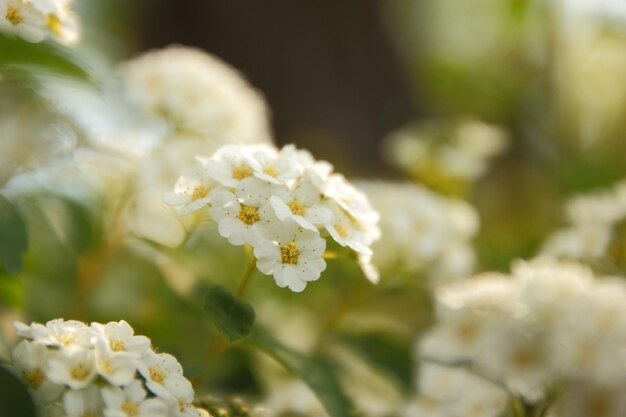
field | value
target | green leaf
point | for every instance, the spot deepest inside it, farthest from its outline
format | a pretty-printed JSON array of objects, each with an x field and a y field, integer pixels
[
  {"x": 232, "y": 316},
  {"x": 387, "y": 353},
  {"x": 316, "y": 372},
  {"x": 47, "y": 55},
  {"x": 13, "y": 237},
  {"x": 15, "y": 400}
]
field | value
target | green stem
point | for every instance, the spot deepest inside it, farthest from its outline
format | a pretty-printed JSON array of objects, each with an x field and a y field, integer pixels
[{"x": 245, "y": 278}]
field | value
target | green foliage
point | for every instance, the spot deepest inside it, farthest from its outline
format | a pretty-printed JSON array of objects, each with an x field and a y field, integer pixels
[
  {"x": 47, "y": 56},
  {"x": 233, "y": 317},
  {"x": 15, "y": 400},
  {"x": 389, "y": 354},
  {"x": 13, "y": 237},
  {"x": 316, "y": 372}
]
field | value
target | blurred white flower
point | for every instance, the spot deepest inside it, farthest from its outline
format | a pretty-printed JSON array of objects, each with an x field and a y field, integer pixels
[
  {"x": 431, "y": 232},
  {"x": 197, "y": 92},
  {"x": 164, "y": 376},
  {"x": 131, "y": 401},
  {"x": 75, "y": 368},
  {"x": 34, "y": 20},
  {"x": 85, "y": 402},
  {"x": 31, "y": 359}
]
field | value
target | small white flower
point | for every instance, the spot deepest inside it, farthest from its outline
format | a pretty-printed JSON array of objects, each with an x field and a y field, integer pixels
[
  {"x": 118, "y": 368},
  {"x": 293, "y": 255},
  {"x": 121, "y": 337},
  {"x": 191, "y": 192},
  {"x": 84, "y": 403},
  {"x": 34, "y": 20},
  {"x": 347, "y": 232},
  {"x": 164, "y": 376},
  {"x": 131, "y": 401},
  {"x": 57, "y": 332},
  {"x": 243, "y": 217},
  {"x": 302, "y": 205},
  {"x": 75, "y": 368},
  {"x": 31, "y": 359},
  {"x": 269, "y": 165},
  {"x": 354, "y": 202}
]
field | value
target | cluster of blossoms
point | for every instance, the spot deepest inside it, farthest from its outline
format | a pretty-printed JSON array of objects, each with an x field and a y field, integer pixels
[
  {"x": 551, "y": 334},
  {"x": 597, "y": 231},
  {"x": 283, "y": 203},
  {"x": 196, "y": 94},
  {"x": 34, "y": 20},
  {"x": 439, "y": 229},
  {"x": 445, "y": 155},
  {"x": 105, "y": 370}
]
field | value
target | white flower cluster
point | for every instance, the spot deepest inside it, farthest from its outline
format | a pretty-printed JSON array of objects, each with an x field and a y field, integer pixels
[
  {"x": 437, "y": 152},
  {"x": 422, "y": 231},
  {"x": 549, "y": 325},
  {"x": 106, "y": 370},
  {"x": 282, "y": 203},
  {"x": 34, "y": 20},
  {"x": 594, "y": 233},
  {"x": 197, "y": 93}
]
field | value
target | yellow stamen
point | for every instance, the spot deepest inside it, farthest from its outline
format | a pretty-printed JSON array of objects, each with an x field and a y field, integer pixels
[
  {"x": 54, "y": 24},
  {"x": 117, "y": 345},
  {"x": 130, "y": 408},
  {"x": 33, "y": 378},
  {"x": 199, "y": 192},
  {"x": 106, "y": 367},
  {"x": 342, "y": 230},
  {"x": 297, "y": 207},
  {"x": 271, "y": 171},
  {"x": 157, "y": 375},
  {"x": 13, "y": 16},
  {"x": 289, "y": 254},
  {"x": 79, "y": 373},
  {"x": 67, "y": 339},
  {"x": 248, "y": 215},
  {"x": 241, "y": 172}
]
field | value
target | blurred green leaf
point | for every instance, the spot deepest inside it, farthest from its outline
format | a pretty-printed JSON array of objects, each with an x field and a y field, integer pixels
[
  {"x": 232, "y": 316},
  {"x": 315, "y": 372},
  {"x": 13, "y": 237},
  {"x": 15, "y": 400},
  {"x": 48, "y": 56},
  {"x": 387, "y": 353}
]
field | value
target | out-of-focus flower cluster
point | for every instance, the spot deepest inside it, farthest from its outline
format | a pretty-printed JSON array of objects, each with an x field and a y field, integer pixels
[
  {"x": 280, "y": 202},
  {"x": 35, "y": 20},
  {"x": 422, "y": 231},
  {"x": 446, "y": 156},
  {"x": 550, "y": 334},
  {"x": 77, "y": 370},
  {"x": 597, "y": 230}
]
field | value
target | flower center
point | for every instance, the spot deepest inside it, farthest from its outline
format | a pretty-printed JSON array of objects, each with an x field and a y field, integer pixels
[
  {"x": 241, "y": 172},
  {"x": 106, "y": 367},
  {"x": 342, "y": 230},
  {"x": 66, "y": 339},
  {"x": 157, "y": 375},
  {"x": 199, "y": 192},
  {"x": 297, "y": 208},
  {"x": 130, "y": 408},
  {"x": 79, "y": 373},
  {"x": 117, "y": 345},
  {"x": 53, "y": 23},
  {"x": 248, "y": 215},
  {"x": 271, "y": 171},
  {"x": 13, "y": 16},
  {"x": 33, "y": 378},
  {"x": 289, "y": 254}
]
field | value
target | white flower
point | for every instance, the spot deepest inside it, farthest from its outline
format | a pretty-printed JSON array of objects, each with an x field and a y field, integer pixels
[
  {"x": 35, "y": 19},
  {"x": 196, "y": 92},
  {"x": 86, "y": 402},
  {"x": 57, "y": 332},
  {"x": 31, "y": 359},
  {"x": 118, "y": 368},
  {"x": 347, "y": 232},
  {"x": 269, "y": 165},
  {"x": 75, "y": 368},
  {"x": 354, "y": 202},
  {"x": 302, "y": 205},
  {"x": 293, "y": 255},
  {"x": 120, "y": 337},
  {"x": 131, "y": 401},
  {"x": 243, "y": 217},
  {"x": 164, "y": 376},
  {"x": 191, "y": 192}
]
